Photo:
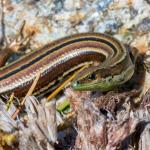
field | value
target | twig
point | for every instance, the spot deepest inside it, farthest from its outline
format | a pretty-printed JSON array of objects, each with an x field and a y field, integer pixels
[{"x": 28, "y": 94}]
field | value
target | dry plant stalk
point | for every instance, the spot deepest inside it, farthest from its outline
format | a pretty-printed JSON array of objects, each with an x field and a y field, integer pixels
[{"x": 38, "y": 131}]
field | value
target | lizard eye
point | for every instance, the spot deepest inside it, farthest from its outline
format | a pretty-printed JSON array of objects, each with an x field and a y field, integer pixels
[{"x": 93, "y": 76}]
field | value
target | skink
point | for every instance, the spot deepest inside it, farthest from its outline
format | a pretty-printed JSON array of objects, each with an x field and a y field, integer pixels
[{"x": 110, "y": 61}]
